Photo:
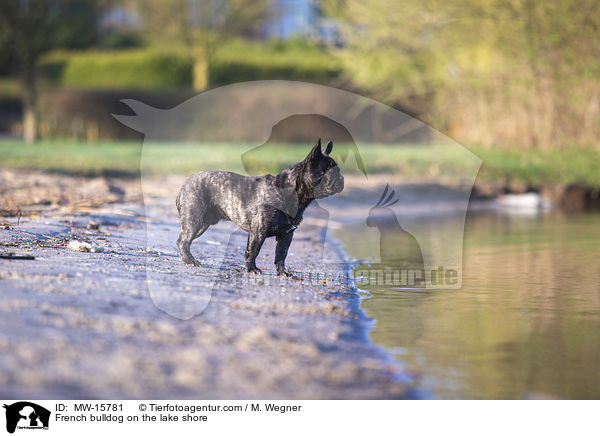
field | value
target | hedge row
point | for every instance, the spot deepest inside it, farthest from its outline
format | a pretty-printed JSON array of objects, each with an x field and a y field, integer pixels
[
  {"x": 152, "y": 69},
  {"x": 240, "y": 61},
  {"x": 133, "y": 69}
]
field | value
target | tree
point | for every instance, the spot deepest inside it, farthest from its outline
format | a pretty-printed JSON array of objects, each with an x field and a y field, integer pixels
[
  {"x": 518, "y": 72},
  {"x": 203, "y": 25},
  {"x": 30, "y": 28}
]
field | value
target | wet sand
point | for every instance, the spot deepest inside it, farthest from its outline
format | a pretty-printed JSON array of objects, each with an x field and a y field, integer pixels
[{"x": 82, "y": 324}]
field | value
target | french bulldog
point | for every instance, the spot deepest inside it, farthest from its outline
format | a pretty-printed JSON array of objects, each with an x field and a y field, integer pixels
[{"x": 263, "y": 206}]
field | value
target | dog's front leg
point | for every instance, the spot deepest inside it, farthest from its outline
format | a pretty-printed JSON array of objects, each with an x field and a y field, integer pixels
[
  {"x": 255, "y": 242},
  {"x": 281, "y": 251}
]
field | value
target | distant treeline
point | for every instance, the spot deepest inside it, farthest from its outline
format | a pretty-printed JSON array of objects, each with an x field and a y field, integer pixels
[{"x": 494, "y": 73}]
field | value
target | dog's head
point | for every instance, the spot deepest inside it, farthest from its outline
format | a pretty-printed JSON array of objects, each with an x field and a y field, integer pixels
[{"x": 320, "y": 173}]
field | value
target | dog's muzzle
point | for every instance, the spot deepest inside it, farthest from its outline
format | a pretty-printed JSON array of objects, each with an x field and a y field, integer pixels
[{"x": 339, "y": 187}]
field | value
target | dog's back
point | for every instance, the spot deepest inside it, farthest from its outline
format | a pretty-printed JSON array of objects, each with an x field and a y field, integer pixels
[{"x": 224, "y": 195}]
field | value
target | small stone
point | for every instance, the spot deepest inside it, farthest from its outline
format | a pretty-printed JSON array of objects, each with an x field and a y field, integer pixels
[
  {"x": 85, "y": 247},
  {"x": 79, "y": 246}
]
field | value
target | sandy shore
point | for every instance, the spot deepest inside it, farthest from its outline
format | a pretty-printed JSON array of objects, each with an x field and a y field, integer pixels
[{"x": 82, "y": 325}]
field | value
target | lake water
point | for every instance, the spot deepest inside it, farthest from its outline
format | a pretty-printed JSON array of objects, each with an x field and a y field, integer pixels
[{"x": 526, "y": 322}]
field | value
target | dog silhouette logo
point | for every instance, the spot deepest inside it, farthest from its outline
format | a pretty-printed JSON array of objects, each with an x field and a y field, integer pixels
[{"x": 26, "y": 415}]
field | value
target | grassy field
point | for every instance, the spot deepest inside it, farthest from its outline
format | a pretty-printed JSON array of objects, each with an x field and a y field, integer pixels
[{"x": 409, "y": 162}]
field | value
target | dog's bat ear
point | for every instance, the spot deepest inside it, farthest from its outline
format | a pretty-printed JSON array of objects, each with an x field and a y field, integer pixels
[
  {"x": 316, "y": 151},
  {"x": 329, "y": 147}
]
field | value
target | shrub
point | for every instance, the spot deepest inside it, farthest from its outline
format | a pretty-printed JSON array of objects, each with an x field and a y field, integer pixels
[{"x": 52, "y": 65}]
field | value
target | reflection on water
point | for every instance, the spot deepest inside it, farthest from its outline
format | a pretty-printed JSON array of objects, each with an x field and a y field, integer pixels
[{"x": 526, "y": 321}]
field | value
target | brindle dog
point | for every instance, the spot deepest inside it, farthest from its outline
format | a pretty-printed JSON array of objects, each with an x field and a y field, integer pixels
[{"x": 263, "y": 206}]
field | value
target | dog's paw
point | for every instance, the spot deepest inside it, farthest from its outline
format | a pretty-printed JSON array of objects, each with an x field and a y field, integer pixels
[
  {"x": 285, "y": 273},
  {"x": 191, "y": 262},
  {"x": 254, "y": 270}
]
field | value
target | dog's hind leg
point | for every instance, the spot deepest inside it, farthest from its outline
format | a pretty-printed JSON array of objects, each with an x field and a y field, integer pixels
[{"x": 189, "y": 232}]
